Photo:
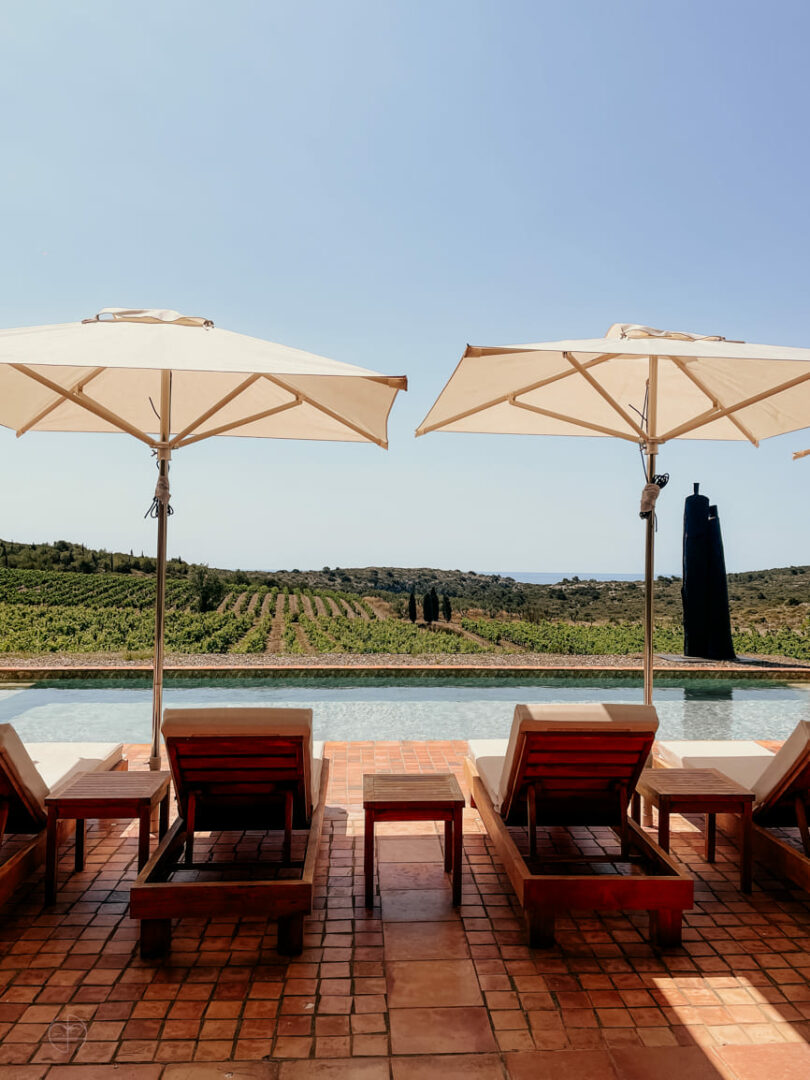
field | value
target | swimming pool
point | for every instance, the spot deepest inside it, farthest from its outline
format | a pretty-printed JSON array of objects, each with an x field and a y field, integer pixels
[{"x": 435, "y": 708}]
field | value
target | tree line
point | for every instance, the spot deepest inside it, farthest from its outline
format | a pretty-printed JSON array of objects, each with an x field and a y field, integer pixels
[{"x": 430, "y": 607}]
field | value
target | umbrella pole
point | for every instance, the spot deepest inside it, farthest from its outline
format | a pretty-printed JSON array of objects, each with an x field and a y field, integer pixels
[
  {"x": 162, "y": 507},
  {"x": 649, "y": 584},
  {"x": 651, "y": 449}
]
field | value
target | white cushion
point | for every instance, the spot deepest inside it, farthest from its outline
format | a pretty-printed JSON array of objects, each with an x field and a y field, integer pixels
[
  {"x": 60, "y": 763},
  {"x": 742, "y": 760},
  {"x": 317, "y": 765},
  {"x": 790, "y": 754},
  {"x": 16, "y": 761},
  {"x": 489, "y": 755},
  {"x": 40, "y": 769}
]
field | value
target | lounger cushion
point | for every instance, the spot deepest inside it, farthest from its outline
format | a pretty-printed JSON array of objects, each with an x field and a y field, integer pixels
[
  {"x": 27, "y": 811},
  {"x": 742, "y": 760},
  {"x": 253, "y": 722},
  {"x": 494, "y": 764},
  {"x": 60, "y": 763},
  {"x": 40, "y": 769},
  {"x": 488, "y": 755},
  {"x": 791, "y": 754}
]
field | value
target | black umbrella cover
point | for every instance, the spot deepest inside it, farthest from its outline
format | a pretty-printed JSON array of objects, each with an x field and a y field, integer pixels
[{"x": 706, "y": 618}]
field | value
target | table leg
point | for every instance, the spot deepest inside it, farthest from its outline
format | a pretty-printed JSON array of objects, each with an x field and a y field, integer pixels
[
  {"x": 746, "y": 853},
  {"x": 458, "y": 845},
  {"x": 50, "y": 856},
  {"x": 368, "y": 861},
  {"x": 636, "y": 808},
  {"x": 163, "y": 822},
  {"x": 663, "y": 823},
  {"x": 144, "y": 819},
  {"x": 78, "y": 861},
  {"x": 711, "y": 837},
  {"x": 448, "y": 846}
]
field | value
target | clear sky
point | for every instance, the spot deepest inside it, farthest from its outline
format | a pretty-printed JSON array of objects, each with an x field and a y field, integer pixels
[{"x": 382, "y": 183}]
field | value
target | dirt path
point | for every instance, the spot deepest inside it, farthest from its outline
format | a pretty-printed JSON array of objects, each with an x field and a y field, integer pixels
[
  {"x": 379, "y": 607},
  {"x": 301, "y": 637},
  {"x": 277, "y": 629},
  {"x": 333, "y": 607},
  {"x": 294, "y": 603},
  {"x": 266, "y": 605},
  {"x": 320, "y": 606},
  {"x": 223, "y": 604},
  {"x": 238, "y": 607},
  {"x": 307, "y": 605},
  {"x": 252, "y": 603}
]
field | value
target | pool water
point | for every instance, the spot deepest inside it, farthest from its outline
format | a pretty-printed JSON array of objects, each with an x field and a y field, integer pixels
[{"x": 435, "y": 708}]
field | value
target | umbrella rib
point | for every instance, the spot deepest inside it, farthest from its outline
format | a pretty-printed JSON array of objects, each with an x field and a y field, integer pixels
[
  {"x": 628, "y": 419},
  {"x": 80, "y": 383},
  {"x": 503, "y": 398},
  {"x": 572, "y": 420},
  {"x": 711, "y": 415},
  {"x": 682, "y": 366},
  {"x": 248, "y": 382},
  {"x": 236, "y": 424},
  {"x": 327, "y": 412},
  {"x": 86, "y": 403}
]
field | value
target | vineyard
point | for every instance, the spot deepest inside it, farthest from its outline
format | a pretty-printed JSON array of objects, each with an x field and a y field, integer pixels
[
  {"x": 63, "y": 612},
  {"x": 55, "y": 611}
]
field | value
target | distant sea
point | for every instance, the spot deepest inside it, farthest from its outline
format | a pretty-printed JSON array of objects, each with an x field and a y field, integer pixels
[{"x": 552, "y": 579}]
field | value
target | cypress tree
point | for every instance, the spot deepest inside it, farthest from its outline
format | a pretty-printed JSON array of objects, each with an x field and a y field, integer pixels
[
  {"x": 412, "y": 607},
  {"x": 427, "y": 608},
  {"x": 434, "y": 606},
  {"x": 447, "y": 610}
]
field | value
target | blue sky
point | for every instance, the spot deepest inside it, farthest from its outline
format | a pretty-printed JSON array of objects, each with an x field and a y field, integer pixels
[{"x": 382, "y": 183}]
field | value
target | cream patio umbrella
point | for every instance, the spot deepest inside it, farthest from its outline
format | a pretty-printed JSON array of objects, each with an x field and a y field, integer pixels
[
  {"x": 642, "y": 385},
  {"x": 171, "y": 380}
]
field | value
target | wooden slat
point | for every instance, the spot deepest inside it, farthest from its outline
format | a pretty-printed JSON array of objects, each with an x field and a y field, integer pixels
[
  {"x": 260, "y": 777},
  {"x": 551, "y": 772},
  {"x": 566, "y": 745},
  {"x": 391, "y": 788},
  {"x": 205, "y": 761},
  {"x": 579, "y": 757},
  {"x": 540, "y": 742},
  {"x": 234, "y": 745}
]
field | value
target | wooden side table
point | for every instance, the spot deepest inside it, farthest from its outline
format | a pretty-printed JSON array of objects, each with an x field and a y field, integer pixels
[
  {"x": 698, "y": 791},
  {"x": 105, "y": 795},
  {"x": 410, "y": 797}
]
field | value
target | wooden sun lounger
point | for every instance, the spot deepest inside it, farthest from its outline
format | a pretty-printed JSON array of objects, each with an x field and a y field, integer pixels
[
  {"x": 28, "y": 773},
  {"x": 577, "y": 765},
  {"x": 243, "y": 769},
  {"x": 781, "y": 786}
]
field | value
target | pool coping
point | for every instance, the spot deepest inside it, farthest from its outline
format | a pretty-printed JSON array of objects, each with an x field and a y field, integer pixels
[{"x": 401, "y": 672}]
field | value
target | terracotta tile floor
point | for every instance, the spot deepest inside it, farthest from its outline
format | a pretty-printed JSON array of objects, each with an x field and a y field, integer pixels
[{"x": 412, "y": 989}]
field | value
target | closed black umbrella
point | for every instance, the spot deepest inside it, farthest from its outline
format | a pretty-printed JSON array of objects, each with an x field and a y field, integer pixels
[{"x": 706, "y": 618}]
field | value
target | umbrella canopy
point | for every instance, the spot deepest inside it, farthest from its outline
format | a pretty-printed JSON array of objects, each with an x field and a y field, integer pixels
[
  {"x": 170, "y": 380},
  {"x": 643, "y": 385}
]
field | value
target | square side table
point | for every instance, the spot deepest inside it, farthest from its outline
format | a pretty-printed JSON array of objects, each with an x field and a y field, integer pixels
[
  {"x": 698, "y": 791},
  {"x": 414, "y": 797},
  {"x": 105, "y": 795}
]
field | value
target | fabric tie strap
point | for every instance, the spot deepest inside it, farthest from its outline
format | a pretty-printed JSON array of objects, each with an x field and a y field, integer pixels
[
  {"x": 650, "y": 493},
  {"x": 161, "y": 496}
]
